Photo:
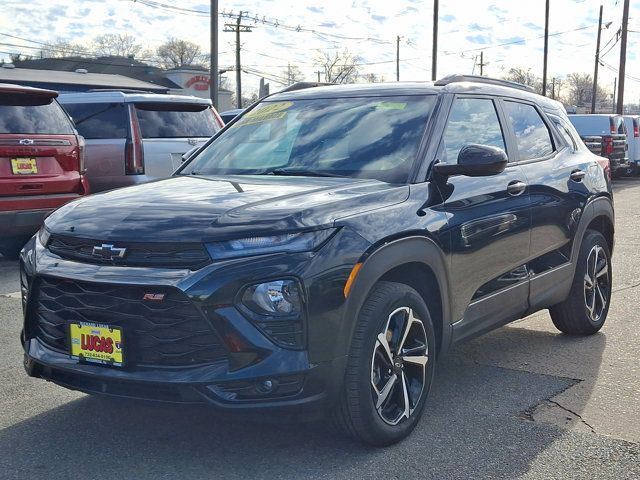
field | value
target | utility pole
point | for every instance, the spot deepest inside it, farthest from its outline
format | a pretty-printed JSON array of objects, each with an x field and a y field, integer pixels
[
  {"x": 238, "y": 28},
  {"x": 546, "y": 48},
  {"x": 289, "y": 82},
  {"x": 434, "y": 53},
  {"x": 482, "y": 64},
  {"x": 595, "y": 68},
  {"x": 553, "y": 88},
  {"x": 398, "y": 58},
  {"x": 318, "y": 72},
  {"x": 615, "y": 84},
  {"x": 213, "y": 70},
  {"x": 623, "y": 57}
]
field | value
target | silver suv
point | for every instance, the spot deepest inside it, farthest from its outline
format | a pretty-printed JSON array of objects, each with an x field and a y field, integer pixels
[{"x": 133, "y": 138}]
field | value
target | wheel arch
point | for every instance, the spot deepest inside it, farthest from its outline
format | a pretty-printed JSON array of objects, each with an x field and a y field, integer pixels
[
  {"x": 598, "y": 216},
  {"x": 416, "y": 261}
]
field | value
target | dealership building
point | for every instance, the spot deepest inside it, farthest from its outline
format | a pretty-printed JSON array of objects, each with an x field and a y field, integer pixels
[{"x": 78, "y": 74}]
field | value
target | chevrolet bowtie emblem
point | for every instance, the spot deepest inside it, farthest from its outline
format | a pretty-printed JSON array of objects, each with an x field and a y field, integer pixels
[{"x": 108, "y": 251}]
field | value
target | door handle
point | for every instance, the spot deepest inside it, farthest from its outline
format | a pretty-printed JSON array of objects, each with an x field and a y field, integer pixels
[
  {"x": 577, "y": 175},
  {"x": 516, "y": 187}
]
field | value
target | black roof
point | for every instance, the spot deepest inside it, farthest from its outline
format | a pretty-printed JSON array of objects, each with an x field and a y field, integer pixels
[{"x": 128, "y": 67}]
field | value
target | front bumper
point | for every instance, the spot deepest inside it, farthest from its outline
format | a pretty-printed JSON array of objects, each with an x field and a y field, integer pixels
[{"x": 305, "y": 380}]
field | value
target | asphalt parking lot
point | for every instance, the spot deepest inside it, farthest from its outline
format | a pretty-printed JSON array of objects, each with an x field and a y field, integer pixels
[{"x": 521, "y": 402}]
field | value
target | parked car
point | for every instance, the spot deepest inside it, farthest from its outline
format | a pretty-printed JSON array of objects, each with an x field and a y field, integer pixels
[
  {"x": 606, "y": 136},
  {"x": 41, "y": 162},
  {"x": 632, "y": 122},
  {"x": 230, "y": 115},
  {"x": 133, "y": 138},
  {"x": 323, "y": 251}
]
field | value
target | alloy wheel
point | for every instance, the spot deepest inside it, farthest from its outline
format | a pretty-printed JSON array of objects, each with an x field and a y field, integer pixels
[
  {"x": 399, "y": 366},
  {"x": 596, "y": 283}
]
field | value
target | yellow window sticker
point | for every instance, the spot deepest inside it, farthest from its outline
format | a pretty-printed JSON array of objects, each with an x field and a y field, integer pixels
[
  {"x": 391, "y": 105},
  {"x": 264, "y": 113}
]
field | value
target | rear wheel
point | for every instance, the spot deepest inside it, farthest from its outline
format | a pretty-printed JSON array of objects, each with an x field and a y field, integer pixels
[
  {"x": 390, "y": 366},
  {"x": 585, "y": 309}
]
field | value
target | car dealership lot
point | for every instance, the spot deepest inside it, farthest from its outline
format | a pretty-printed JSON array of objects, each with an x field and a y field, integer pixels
[{"x": 522, "y": 401}]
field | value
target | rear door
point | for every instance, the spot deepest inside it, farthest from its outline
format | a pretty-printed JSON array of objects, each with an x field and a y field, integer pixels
[
  {"x": 558, "y": 174},
  {"x": 39, "y": 150},
  {"x": 488, "y": 223},
  {"x": 169, "y": 130}
]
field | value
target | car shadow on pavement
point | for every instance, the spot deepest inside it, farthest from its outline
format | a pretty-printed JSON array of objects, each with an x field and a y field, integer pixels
[{"x": 472, "y": 427}]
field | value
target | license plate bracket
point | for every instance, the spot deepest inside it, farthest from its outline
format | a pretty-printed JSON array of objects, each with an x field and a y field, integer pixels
[
  {"x": 24, "y": 166},
  {"x": 96, "y": 343}
]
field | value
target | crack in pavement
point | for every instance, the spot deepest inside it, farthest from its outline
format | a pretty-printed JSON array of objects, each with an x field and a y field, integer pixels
[
  {"x": 626, "y": 287},
  {"x": 573, "y": 413}
]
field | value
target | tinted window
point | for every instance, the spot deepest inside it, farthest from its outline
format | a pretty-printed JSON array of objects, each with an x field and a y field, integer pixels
[
  {"x": 167, "y": 120},
  {"x": 374, "y": 137},
  {"x": 99, "y": 120},
  {"x": 532, "y": 135},
  {"x": 565, "y": 131},
  {"x": 37, "y": 114},
  {"x": 471, "y": 120}
]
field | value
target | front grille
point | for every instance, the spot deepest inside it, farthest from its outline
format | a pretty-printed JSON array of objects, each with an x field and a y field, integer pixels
[
  {"x": 138, "y": 254},
  {"x": 171, "y": 332}
]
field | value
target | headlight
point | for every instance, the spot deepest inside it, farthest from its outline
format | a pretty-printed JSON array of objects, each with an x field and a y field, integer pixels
[
  {"x": 43, "y": 235},
  {"x": 287, "y": 242},
  {"x": 280, "y": 298}
]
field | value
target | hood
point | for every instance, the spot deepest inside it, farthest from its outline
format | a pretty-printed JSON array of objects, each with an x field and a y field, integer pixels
[{"x": 188, "y": 208}]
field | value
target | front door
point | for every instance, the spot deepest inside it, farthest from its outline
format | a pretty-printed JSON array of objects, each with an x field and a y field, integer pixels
[{"x": 488, "y": 224}]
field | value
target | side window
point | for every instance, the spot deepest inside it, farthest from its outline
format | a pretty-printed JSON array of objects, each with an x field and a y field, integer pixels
[
  {"x": 471, "y": 120},
  {"x": 565, "y": 131},
  {"x": 99, "y": 120},
  {"x": 532, "y": 135}
]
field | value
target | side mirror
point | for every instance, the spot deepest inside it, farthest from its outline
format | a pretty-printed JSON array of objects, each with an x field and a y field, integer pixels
[
  {"x": 475, "y": 160},
  {"x": 189, "y": 154}
]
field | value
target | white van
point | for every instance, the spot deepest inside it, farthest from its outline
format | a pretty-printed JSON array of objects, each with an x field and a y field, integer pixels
[{"x": 633, "y": 139}]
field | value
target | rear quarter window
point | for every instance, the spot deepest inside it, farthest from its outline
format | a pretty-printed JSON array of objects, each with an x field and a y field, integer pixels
[
  {"x": 99, "y": 120},
  {"x": 32, "y": 114},
  {"x": 168, "y": 120}
]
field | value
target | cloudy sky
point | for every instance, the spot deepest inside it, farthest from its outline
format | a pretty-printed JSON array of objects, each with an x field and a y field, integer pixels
[{"x": 367, "y": 28}]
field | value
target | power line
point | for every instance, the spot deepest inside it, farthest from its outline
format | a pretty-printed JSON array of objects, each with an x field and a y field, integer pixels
[
  {"x": 515, "y": 42},
  {"x": 258, "y": 20}
]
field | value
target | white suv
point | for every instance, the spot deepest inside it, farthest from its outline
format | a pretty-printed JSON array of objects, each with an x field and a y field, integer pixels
[{"x": 133, "y": 138}]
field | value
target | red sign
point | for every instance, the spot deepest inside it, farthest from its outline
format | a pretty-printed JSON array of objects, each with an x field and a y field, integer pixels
[{"x": 199, "y": 82}]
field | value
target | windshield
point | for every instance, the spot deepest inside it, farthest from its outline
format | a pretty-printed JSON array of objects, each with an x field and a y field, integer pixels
[{"x": 373, "y": 137}]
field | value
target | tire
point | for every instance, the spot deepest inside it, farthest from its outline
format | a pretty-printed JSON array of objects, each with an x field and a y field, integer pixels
[
  {"x": 585, "y": 309},
  {"x": 371, "y": 367}
]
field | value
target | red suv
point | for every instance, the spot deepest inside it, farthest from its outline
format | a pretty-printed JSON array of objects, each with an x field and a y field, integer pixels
[{"x": 41, "y": 162}]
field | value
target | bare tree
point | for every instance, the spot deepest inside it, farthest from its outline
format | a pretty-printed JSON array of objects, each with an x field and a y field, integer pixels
[
  {"x": 293, "y": 74},
  {"x": 338, "y": 67},
  {"x": 63, "y": 48},
  {"x": 580, "y": 89},
  {"x": 524, "y": 76},
  {"x": 371, "y": 78},
  {"x": 176, "y": 53},
  {"x": 116, "y": 44}
]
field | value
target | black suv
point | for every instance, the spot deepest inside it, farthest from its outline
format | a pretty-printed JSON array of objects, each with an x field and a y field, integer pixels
[{"x": 323, "y": 250}]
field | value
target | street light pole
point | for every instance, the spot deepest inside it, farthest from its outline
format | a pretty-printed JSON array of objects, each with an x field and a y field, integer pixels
[{"x": 595, "y": 70}]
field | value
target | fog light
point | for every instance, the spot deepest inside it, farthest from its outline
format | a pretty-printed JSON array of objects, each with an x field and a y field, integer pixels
[{"x": 275, "y": 298}]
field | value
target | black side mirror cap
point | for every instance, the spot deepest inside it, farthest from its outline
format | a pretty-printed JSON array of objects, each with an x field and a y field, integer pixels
[{"x": 475, "y": 160}]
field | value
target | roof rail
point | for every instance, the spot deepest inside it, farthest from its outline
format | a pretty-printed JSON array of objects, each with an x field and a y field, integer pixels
[
  {"x": 479, "y": 79},
  {"x": 121, "y": 90},
  {"x": 303, "y": 85}
]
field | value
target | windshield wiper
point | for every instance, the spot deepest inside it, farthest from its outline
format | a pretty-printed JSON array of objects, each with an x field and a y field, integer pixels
[{"x": 301, "y": 172}]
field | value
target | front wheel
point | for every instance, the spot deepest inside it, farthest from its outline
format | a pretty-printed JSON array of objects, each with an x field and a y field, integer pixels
[
  {"x": 390, "y": 366},
  {"x": 585, "y": 309}
]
